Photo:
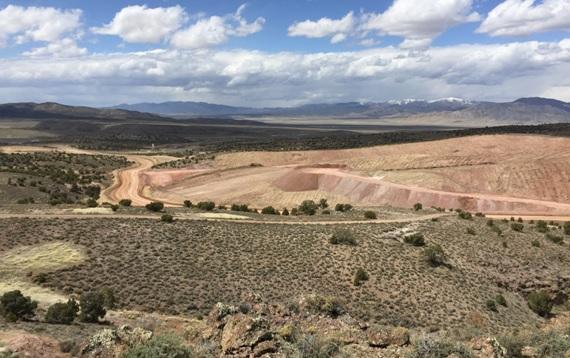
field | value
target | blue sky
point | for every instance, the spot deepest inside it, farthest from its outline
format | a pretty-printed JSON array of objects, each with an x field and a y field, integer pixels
[{"x": 261, "y": 52}]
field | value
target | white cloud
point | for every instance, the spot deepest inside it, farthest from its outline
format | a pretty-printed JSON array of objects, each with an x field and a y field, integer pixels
[
  {"x": 63, "y": 48},
  {"x": 243, "y": 77},
  {"x": 525, "y": 17},
  {"x": 215, "y": 30},
  {"x": 140, "y": 24},
  {"x": 338, "y": 30},
  {"x": 419, "y": 22},
  {"x": 47, "y": 24}
]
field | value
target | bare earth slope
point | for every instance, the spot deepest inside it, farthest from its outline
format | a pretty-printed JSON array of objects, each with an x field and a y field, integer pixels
[{"x": 496, "y": 173}]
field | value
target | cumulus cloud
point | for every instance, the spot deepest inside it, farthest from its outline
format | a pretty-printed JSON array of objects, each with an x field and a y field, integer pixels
[
  {"x": 525, "y": 17},
  {"x": 253, "y": 77},
  {"x": 28, "y": 24},
  {"x": 419, "y": 22},
  {"x": 63, "y": 48},
  {"x": 216, "y": 30},
  {"x": 337, "y": 30},
  {"x": 140, "y": 24}
]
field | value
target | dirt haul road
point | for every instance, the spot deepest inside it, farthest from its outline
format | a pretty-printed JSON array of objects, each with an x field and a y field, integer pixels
[{"x": 129, "y": 183}]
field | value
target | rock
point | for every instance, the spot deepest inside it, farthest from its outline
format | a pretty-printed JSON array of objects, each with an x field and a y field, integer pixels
[
  {"x": 529, "y": 352},
  {"x": 488, "y": 348},
  {"x": 266, "y": 347},
  {"x": 242, "y": 331},
  {"x": 384, "y": 336}
]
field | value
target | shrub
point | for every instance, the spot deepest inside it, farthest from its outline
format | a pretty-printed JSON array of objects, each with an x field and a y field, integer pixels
[
  {"x": 109, "y": 299},
  {"x": 434, "y": 255},
  {"x": 324, "y": 304},
  {"x": 155, "y": 206},
  {"x": 360, "y": 276},
  {"x": 535, "y": 243},
  {"x": 541, "y": 226},
  {"x": 125, "y": 202},
  {"x": 285, "y": 212},
  {"x": 294, "y": 211},
  {"x": 311, "y": 346},
  {"x": 15, "y": 306},
  {"x": 308, "y": 207},
  {"x": 343, "y": 207},
  {"x": 465, "y": 215},
  {"x": 491, "y": 305},
  {"x": 114, "y": 207},
  {"x": 418, "y": 206},
  {"x": 518, "y": 227},
  {"x": 471, "y": 231},
  {"x": 490, "y": 222},
  {"x": 540, "y": 303},
  {"x": 500, "y": 299},
  {"x": 206, "y": 205},
  {"x": 240, "y": 207},
  {"x": 497, "y": 230},
  {"x": 415, "y": 239},
  {"x": 91, "y": 203},
  {"x": 269, "y": 210},
  {"x": 187, "y": 204},
  {"x": 567, "y": 228},
  {"x": 92, "y": 307},
  {"x": 428, "y": 348},
  {"x": 520, "y": 220},
  {"x": 160, "y": 346},
  {"x": 371, "y": 215},
  {"x": 167, "y": 218},
  {"x": 326, "y": 212},
  {"x": 554, "y": 238},
  {"x": 343, "y": 237},
  {"x": 479, "y": 215},
  {"x": 323, "y": 204},
  {"x": 62, "y": 313}
]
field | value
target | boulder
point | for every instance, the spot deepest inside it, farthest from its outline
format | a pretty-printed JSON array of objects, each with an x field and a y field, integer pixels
[{"x": 243, "y": 333}]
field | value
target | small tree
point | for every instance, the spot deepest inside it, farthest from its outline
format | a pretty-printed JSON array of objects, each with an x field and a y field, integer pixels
[
  {"x": 323, "y": 203},
  {"x": 187, "y": 203},
  {"x": 516, "y": 226},
  {"x": 109, "y": 299},
  {"x": 125, "y": 202},
  {"x": 15, "y": 306},
  {"x": 285, "y": 212},
  {"x": 62, "y": 313},
  {"x": 155, "y": 206},
  {"x": 167, "y": 218},
  {"x": 343, "y": 207},
  {"x": 269, "y": 210},
  {"x": 308, "y": 207},
  {"x": 540, "y": 303},
  {"x": 418, "y": 206},
  {"x": 371, "y": 215},
  {"x": 541, "y": 226},
  {"x": 206, "y": 205},
  {"x": 92, "y": 307},
  {"x": 434, "y": 255},
  {"x": 360, "y": 276}
]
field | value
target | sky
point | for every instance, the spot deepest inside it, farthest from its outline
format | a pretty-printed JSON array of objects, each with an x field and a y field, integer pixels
[{"x": 263, "y": 53}]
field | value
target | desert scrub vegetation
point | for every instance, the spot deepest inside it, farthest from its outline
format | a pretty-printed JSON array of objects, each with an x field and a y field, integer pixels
[
  {"x": 418, "y": 206},
  {"x": 517, "y": 226},
  {"x": 125, "y": 202},
  {"x": 342, "y": 207},
  {"x": 370, "y": 215},
  {"x": 324, "y": 304},
  {"x": 308, "y": 207},
  {"x": 160, "y": 346},
  {"x": 430, "y": 348},
  {"x": 155, "y": 206},
  {"x": 62, "y": 313},
  {"x": 343, "y": 237},
  {"x": 360, "y": 276},
  {"x": 434, "y": 255},
  {"x": 269, "y": 210},
  {"x": 554, "y": 238},
  {"x": 465, "y": 215},
  {"x": 540, "y": 302},
  {"x": 14, "y": 306},
  {"x": 206, "y": 205},
  {"x": 167, "y": 218},
  {"x": 415, "y": 239}
]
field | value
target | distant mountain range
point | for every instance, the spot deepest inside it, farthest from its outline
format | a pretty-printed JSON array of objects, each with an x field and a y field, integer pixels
[{"x": 523, "y": 111}]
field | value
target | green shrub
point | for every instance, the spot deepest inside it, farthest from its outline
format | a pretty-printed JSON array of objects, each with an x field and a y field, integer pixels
[
  {"x": 294, "y": 212},
  {"x": 370, "y": 215},
  {"x": 418, "y": 206},
  {"x": 415, "y": 239},
  {"x": 491, "y": 305},
  {"x": 269, "y": 210},
  {"x": 285, "y": 212},
  {"x": 307, "y": 207},
  {"x": 343, "y": 207},
  {"x": 109, "y": 299},
  {"x": 535, "y": 243},
  {"x": 125, "y": 202},
  {"x": 554, "y": 238},
  {"x": 434, "y": 255},
  {"x": 541, "y": 226},
  {"x": 500, "y": 299},
  {"x": 465, "y": 215},
  {"x": 471, "y": 231},
  {"x": 206, "y": 205},
  {"x": 167, "y": 218},
  {"x": 160, "y": 346},
  {"x": 91, "y": 203},
  {"x": 343, "y": 237},
  {"x": 187, "y": 204},
  {"x": 311, "y": 346},
  {"x": 518, "y": 227},
  {"x": 15, "y": 306},
  {"x": 490, "y": 222},
  {"x": 240, "y": 207},
  {"x": 92, "y": 307},
  {"x": 62, "y": 313},
  {"x": 360, "y": 276},
  {"x": 323, "y": 203},
  {"x": 540, "y": 303},
  {"x": 324, "y": 304},
  {"x": 114, "y": 207},
  {"x": 155, "y": 206}
]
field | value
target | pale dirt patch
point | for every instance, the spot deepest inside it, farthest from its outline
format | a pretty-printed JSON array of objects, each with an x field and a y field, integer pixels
[
  {"x": 105, "y": 211},
  {"x": 15, "y": 264},
  {"x": 222, "y": 216}
]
